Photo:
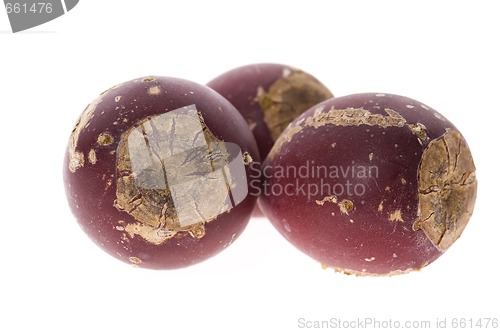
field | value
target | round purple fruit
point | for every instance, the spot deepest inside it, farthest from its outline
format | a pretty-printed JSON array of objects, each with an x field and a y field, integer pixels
[
  {"x": 157, "y": 172},
  {"x": 269, "y": 96},
  {"x": 370, "y": 184}
]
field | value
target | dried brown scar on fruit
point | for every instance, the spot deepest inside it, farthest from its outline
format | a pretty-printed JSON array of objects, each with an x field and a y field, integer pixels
[
  {"x": 343, "y": 117},
  {"x": 173, "y": 176},
  {"x": 420, "y": 131},
  {"x": 331, "y": 199},
  {"x": 105, "y": 139},
  {"x": 288, "y": 97},
  {"x": 247, "y": 158},
  {"x": 346, "y": 206},
  {"x": 447, "y": 189},
  {"x": 76, "y": 158}
]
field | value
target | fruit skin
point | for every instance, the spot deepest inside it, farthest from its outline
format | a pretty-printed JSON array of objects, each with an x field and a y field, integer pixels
[
  {"x": 269, "y": 96},
  {"x": 91, "y": 172},
  {"x": 413, "y": 205}
]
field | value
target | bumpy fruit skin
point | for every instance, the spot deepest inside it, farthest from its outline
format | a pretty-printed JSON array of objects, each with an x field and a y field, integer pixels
[
  {"x": 269, "y": 96},
  {"x": 157, "y": 170},
  {"x": 387, "y": 184}
]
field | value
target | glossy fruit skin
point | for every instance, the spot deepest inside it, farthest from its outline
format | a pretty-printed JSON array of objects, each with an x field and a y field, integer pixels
[
  {"x": 96, "y": 179},
  {"x": 269, "y": 96},
  {"x": 414, "y": 178}
]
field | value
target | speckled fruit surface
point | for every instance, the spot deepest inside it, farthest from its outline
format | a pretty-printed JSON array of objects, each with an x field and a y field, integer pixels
[
  {"x": 370, "y": 184},
  {"x": 157, "y": 172},
  {"x": 269, "y": 96}
]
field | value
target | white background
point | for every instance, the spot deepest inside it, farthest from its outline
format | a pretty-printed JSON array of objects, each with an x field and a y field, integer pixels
[{"x": 53, "y": 278}]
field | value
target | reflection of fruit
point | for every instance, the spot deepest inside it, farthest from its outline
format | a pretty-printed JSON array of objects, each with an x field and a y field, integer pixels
[
  {"x": 383, "y": 184},
  {"x": 28, "y": 14},
  {"x": 157, "y": 172}
]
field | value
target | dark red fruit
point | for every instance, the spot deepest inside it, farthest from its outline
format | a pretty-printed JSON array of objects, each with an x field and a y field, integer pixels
[
  {"x": 370, "y": 184},
  {"x": 269, "y": 96},
  {"x": 157, "y": 172}
]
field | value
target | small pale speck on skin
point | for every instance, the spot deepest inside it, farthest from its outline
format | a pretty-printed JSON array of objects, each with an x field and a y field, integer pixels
[
  {"x": 351, "y": 221},
  {"x": 371, "y": 259},
  {"x": 135, "y": 260},
  {"x": 370, "y": 156},
  {"x": 424, "y": 107},
  {"x": 286, "y": 72},
  {"x": 394, "y": 255},
  {"x": 396, "y": 216},
  {"x": 251, "y": 124},
  {"x": 287, "y": 227},
  {"x": 439, "y": 116},
  {"x": 92, "y": 157},
  {"x": 381, "y": 206},
  {"x": 387, "y": 188},
  {"x": 117, "y": 98},
  {"x": 120, "y": 228},
  {"x": 380, "y": 95},
  {"x": 346, "y": 206},
  {"x": 333, "y": 214},
  {"x": 403, "y": 180},
  {"x": 334, "y": 145},
  {"x": 410, "y": 106},
  {"x": 154, "y": 90}
]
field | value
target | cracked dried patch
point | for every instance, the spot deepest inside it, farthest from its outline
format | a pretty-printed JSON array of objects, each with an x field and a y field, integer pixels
[
  {"x": 76, "y": 158},
  {"x": 288, "y": 97},
  {"x": 355, "y": 117},
  {"x": 339, "y": 117},
  {"x": 173, "y": 176},
  {"x": 420, "y": 131},
  {"x": 447, "y": 189}
]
